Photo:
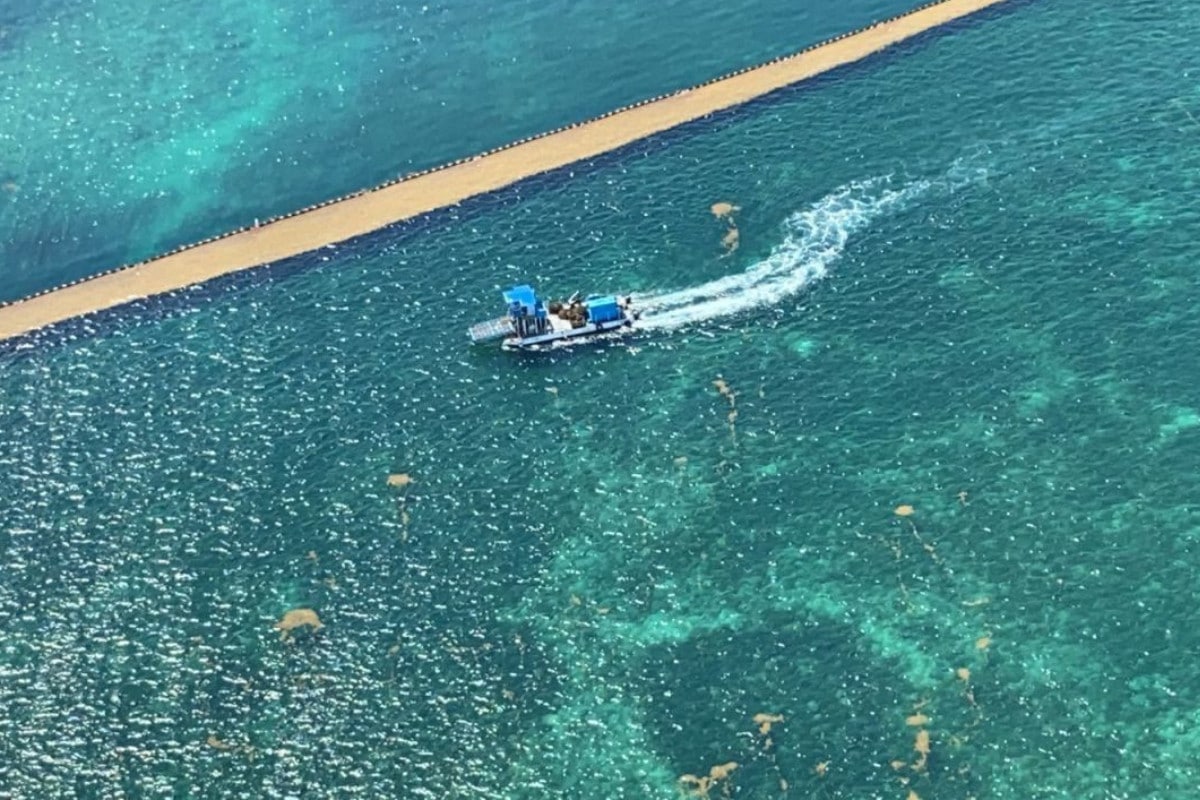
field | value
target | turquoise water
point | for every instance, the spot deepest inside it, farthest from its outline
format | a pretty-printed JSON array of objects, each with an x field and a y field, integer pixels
[
  {"x": 965, "y": 283},
  {"x": 125, "y": 133}
]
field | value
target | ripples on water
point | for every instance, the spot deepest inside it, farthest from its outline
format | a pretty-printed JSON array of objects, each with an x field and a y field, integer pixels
[{"x": 183, "y": 123}]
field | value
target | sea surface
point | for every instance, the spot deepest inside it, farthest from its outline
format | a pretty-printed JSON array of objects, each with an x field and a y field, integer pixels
[{"x": 914, "y": 469}]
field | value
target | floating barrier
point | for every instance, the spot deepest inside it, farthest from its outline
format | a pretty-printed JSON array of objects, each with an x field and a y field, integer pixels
[{"x": 410, "y": 196}]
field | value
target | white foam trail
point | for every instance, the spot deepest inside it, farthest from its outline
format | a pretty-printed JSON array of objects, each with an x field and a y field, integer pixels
[{"x": 813, "y": 240}]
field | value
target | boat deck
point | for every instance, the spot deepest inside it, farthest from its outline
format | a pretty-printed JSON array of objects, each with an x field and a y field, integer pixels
[
  {"x": 498, "y": 328},
  {"x": 558, "y": 324}
]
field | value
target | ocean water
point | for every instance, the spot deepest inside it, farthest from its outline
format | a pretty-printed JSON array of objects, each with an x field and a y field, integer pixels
[
  {"x": 964, "y": 287},
  {"x": 126, "y": 133}
]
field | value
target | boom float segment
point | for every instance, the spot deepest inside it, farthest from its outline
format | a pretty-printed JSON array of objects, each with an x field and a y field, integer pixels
[{"x": 423, "y": 192}]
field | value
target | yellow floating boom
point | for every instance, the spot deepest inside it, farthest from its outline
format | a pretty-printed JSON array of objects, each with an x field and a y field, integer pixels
[{"x": 413, "y": 195}]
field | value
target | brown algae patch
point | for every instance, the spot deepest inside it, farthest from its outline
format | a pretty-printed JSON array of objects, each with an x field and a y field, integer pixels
[
  {"x": 219, "y": 744},
  {"x": 402, "y": 480},
  {"x": 730, "y": 240},
  {"x": 298, "y": 618},
  {"x": 700, "y": 786},
  {"x": 723, "y": 389},
  {"x": 765, "y": 721},
  {"x": 922, "y": 747},
  {"x": 723, "y": 210}
]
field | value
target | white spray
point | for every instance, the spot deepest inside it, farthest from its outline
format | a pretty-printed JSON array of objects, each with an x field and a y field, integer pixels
[{"x": 813, "y": 239}]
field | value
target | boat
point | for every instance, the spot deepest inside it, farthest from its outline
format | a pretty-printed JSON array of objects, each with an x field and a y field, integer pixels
[{"x": 532, "y": 323}]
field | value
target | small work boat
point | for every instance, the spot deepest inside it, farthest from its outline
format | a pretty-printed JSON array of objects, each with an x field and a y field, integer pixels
[{"x": 532, "y": 323}]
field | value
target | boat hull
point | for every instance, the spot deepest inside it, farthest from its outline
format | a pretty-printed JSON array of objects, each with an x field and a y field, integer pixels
[{"x": 558, "y": 337}]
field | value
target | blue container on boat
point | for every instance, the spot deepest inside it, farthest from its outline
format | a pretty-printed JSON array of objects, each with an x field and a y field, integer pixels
[
  {"x": 521, "y": 301},
  {"x": 602, "y": 308}
]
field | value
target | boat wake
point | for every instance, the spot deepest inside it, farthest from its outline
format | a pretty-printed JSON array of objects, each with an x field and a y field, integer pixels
[{"x": 813, "y": 239}]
